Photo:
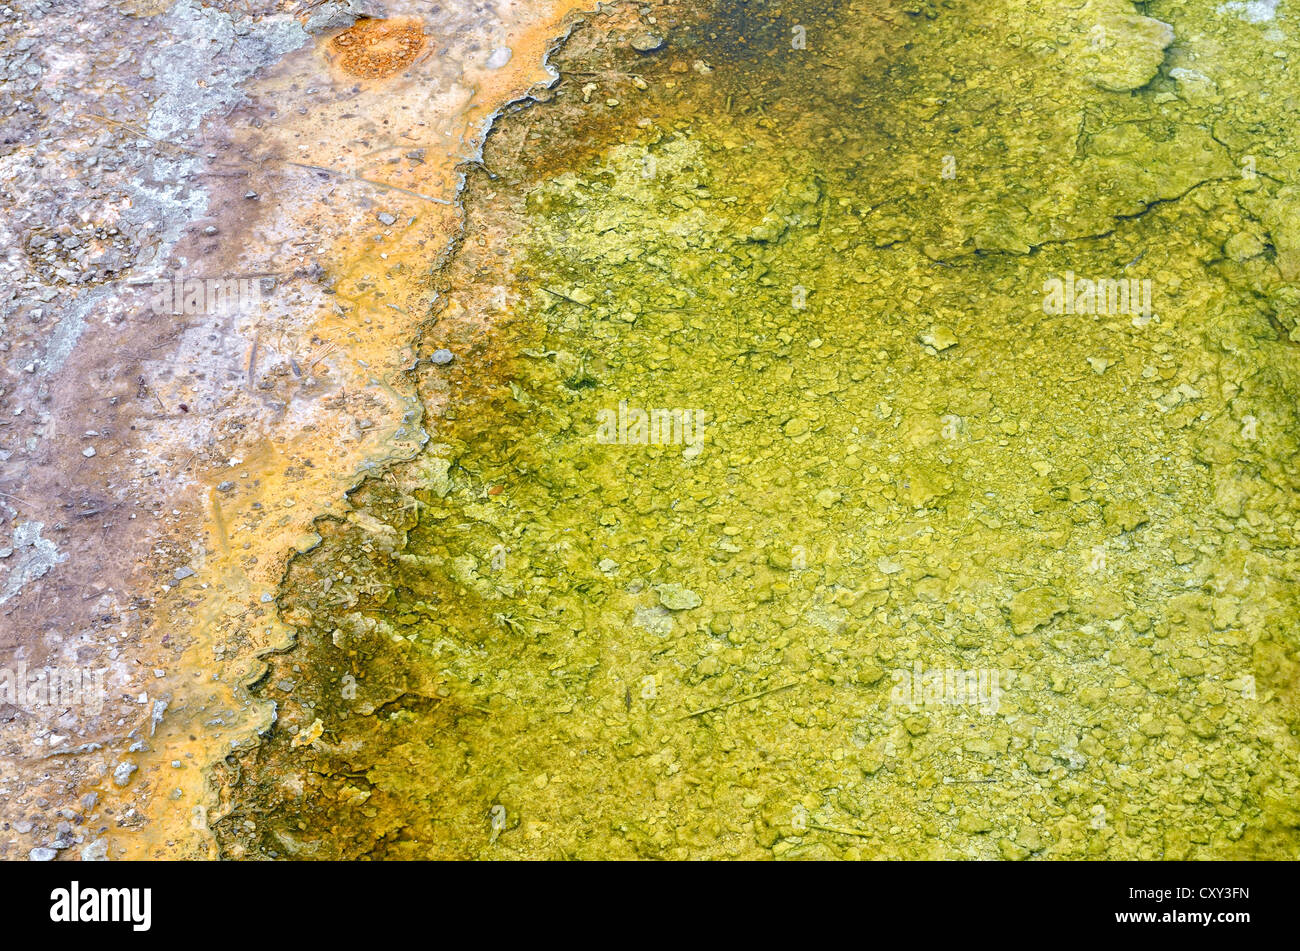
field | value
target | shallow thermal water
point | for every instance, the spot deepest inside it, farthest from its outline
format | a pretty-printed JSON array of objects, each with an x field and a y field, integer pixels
[{"x": 923, "y": 549}]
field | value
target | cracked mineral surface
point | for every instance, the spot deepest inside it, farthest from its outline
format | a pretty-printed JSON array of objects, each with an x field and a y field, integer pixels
[
  {"x": 885, "y": 446},
  {"x": 850, "y": 429}
]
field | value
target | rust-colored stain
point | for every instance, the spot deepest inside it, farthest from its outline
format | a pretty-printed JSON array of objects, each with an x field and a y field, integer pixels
[
  {"x": 374, "y": 49},
  {"x": 359, "y": 377}
]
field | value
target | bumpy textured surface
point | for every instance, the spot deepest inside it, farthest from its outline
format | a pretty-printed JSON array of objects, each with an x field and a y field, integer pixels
[
  {"x": 536, "y": 641},
  {"x": 374, "y": 49}
]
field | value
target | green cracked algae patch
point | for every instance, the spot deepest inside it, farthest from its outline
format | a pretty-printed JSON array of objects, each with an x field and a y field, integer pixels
[{"x": 885, "y": 446}]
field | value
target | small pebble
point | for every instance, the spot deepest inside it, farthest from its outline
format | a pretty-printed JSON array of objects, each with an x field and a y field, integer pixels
[
  {"x": 122, "y": 772},
  {"x": 939, "y": 337},
  {"x": 441, "y": 357},
  {"x": 647, "y": 42},
  {"x": 676, "y": 597}
]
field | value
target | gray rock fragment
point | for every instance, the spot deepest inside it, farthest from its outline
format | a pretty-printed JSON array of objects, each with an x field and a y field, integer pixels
[
  {"x": 647, "y": 42},
  {"x": 122, "y": 772}
]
